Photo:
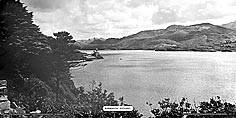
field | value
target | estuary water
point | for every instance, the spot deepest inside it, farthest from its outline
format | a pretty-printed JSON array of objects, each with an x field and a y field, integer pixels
[{"x": 142, "y": 76}]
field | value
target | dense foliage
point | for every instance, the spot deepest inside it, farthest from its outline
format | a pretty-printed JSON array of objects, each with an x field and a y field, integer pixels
[
  {"x": 92, "y": 102},
  {"x": 168, "y": 109},
  {"x": 22, "y": 49}
]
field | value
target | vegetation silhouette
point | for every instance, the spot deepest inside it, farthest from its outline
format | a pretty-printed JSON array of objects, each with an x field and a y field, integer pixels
[
  {"x": 92, "y": 102},
  {"x": 214, "y": 109}
]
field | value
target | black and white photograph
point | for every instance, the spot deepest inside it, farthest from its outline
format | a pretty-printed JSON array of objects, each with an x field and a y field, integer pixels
[{"x": 117, "y": 58}]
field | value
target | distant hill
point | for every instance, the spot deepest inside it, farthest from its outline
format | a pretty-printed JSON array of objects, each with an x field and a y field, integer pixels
[
  {"x": 198, "y": 37},
  {"x": 98, "y": 43},
  {"x": 231, "y": 25}
]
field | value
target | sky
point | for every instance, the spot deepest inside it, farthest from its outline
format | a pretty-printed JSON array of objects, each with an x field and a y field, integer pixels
[{"x": 86, "y": 19}]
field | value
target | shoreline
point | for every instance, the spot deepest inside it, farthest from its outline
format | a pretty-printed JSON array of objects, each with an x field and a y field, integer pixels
[
  {"x": 170, "y": 50},
  {"x": 80, "y": 63}
]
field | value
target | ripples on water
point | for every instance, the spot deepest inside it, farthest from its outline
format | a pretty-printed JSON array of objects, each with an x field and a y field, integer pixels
[{"x": 142, "y": 76}]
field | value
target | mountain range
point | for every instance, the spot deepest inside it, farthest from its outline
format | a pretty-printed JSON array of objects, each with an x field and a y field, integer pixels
[{"x": 198, "y": 37}]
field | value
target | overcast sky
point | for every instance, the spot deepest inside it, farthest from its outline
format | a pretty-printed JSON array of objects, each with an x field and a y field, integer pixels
[{"x": 117, "y": 18}]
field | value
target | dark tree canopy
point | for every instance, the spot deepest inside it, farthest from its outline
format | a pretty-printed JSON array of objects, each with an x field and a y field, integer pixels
[
  {"x": 20, "y": 38},
  {"x": 27, "y": 61},
  {"x": 63, "y": 45}
]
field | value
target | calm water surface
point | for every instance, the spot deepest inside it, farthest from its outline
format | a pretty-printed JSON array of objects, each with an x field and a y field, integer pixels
[{"x": 142, "y": 76}]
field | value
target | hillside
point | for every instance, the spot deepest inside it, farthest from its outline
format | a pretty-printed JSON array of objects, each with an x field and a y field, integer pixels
[
  {"x": 231, "y": 25},
  {"x": 109, "y": 43},
  {"x": 198, "y": 37}
]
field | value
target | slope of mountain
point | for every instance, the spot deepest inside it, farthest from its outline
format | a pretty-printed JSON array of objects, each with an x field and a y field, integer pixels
[
  {"x": 198, "y": 37},
  {"x": 98, "y": 43},
  {"x": 231, "y": 25}
]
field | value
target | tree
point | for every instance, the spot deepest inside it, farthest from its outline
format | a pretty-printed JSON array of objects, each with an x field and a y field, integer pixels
[
  {"x": 63, "y": 45},
  {"x": 22, "y": 48},
  {"x": 62, "y": 51},
  {"x": 26, "y": 58},
  {"x": 20, "y": 39},
  {"x": 90, "y": 103},
  {"x": 216, "y": 105},
  {"x": 19, "y": 36},
  {"x": 20, "y": 42},
  {"x": 170, "y": 109}
]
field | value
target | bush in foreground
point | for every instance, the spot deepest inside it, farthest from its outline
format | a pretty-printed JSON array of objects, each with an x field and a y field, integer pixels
[
  {"x": 90, "y": 104},
  {"x": 168, "y": 109}
]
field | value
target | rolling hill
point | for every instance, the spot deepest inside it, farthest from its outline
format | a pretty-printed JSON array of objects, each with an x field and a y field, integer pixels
[
  {"x": 198, "y": 37},
  {"x": 231, "y": 25}
]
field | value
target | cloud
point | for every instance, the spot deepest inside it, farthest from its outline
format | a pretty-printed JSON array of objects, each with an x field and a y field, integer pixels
[
  {"x": 200, "y": 11},
  {"x": 46, "y": 5},
  {"x": 137, "y": 3},
  {"x": 188, "y": 11},
  {"x": 164, "y": 16},
  {"x": 117, "y": 18}
]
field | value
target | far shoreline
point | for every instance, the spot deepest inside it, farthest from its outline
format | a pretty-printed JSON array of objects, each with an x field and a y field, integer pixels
[{"x": 160, "y": 50}]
